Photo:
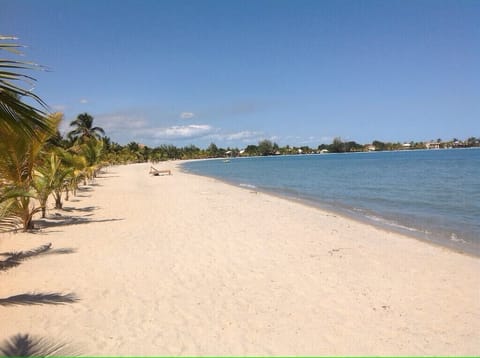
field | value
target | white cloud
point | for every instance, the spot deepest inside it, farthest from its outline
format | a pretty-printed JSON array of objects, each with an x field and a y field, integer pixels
[
  {"x": 121, "y": 122},
  {"x": 133, "y": 125},
  {"x": 84, "y": 101},
  {"x": 244, "y": 136},
  {"x": 187, "y": 115},
  {"x": 180, "y": 132}
]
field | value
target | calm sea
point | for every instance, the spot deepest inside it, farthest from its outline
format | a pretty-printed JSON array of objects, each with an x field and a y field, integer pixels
[{"x": 433, "y": 194}]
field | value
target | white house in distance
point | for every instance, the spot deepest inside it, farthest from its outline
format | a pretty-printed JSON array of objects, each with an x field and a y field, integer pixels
[
  {"x": 406, "y": 146},
  {"x": 432, "y": 145}
]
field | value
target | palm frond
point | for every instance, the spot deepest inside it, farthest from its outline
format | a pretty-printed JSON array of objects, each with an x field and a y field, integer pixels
[{"x": 14, "y": 113}]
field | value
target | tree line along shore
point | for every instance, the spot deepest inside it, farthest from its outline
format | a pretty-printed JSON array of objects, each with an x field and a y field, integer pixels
[{"x": 138, "y": 152}]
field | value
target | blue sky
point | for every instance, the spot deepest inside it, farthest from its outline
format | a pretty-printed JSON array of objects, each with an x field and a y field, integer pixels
[{"x": 235, "y": 72}]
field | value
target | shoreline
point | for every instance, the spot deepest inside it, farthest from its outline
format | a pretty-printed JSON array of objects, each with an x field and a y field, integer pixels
[
  {"x": 186, "y": 265},
  {"x": 413, "y": 233}
]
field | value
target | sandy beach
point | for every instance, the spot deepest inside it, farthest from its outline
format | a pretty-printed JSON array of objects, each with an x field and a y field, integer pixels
[{"x": 187, "y": 265}]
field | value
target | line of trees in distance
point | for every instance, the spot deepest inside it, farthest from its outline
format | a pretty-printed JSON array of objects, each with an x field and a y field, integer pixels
[{"x": 114, "y": 153}]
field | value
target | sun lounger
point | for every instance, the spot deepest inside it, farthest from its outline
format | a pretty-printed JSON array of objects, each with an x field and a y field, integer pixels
[{"x": 157, "y": 172}]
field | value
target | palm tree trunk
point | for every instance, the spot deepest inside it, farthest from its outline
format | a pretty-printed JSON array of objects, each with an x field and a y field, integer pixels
[
  {"x": 58, "y": 199},
  {"x": 25, "y": 213},
  {"x": 27, "y": 224},
  {"x": 43, "y": 205}
]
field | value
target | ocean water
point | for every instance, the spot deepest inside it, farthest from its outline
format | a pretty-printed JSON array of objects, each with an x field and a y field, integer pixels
[{"x": 433, "y": 195}]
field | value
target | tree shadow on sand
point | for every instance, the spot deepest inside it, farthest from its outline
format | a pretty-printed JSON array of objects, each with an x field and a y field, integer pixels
[
  {"x": 39, "y": 299},
  {"x": 86, "y": 209},
  {"x": 68, "y": 220},
  {"x": 84, "y": 189},
  {"x": 25, "y": 345},
  {"x": 14, "y": 258}
]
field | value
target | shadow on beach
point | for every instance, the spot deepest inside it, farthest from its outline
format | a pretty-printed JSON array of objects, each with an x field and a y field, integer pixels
[
  {"x": 58, "y": 221},
  {"x": 26, "y": 345},
  {"x": 83, "y": 196},
  {"x": 15, "y": 258},
  {"x": 83, "y": 192},
  {"x": 39, "y": 299},
  {"x": 84, "y": 189},
  {"x": 86, "y": 209}
]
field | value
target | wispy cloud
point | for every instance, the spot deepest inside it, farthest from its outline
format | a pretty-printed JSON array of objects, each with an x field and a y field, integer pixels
[
  {"x": 130, "y": 126},
  {"x": 187, "y": 115},
  {"x": 179, "y": 132},
  {"x": 136, "y": 126},
  {"x": 83, "y": 101},
  {"x": 121, "y": 122},
  {"x": 243, "y": 136}
]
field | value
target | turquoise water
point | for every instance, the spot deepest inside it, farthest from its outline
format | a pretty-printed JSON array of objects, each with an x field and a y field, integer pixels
[{"x": 432, "y": 195}]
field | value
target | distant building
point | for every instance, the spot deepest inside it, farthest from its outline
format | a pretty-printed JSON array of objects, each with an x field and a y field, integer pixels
[
  {"x": 432, "y": 145},
  {"x": 406, "y": 146},
  {"x": 371, "y": 148}
]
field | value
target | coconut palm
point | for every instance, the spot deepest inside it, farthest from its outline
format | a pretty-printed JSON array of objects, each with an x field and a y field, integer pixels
[
  {"x": 84, "y": 129},
  {"x": 77, "y": 164},
  {"x": 92, "y": 152},
  {"x": 50, "y": 179},
  {"x": 16, "y": 115},
  {"x": 20, "y": 155}
]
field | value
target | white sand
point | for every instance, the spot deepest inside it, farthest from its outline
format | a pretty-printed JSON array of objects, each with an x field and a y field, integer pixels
[{"x": 186, "y": 265}]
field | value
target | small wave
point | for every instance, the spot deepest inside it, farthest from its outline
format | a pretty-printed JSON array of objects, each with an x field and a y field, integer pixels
[
  {"x": 394, "y": 224},
  {"x": 454, "y": 238},
  {"x": 249, "y": 186}
]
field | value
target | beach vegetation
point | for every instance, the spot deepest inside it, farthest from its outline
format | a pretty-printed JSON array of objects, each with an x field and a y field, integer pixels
[
  {"x": 212, "y": 150},
  {"x": 84, "y": 129},
  {"x": 36, "y": 161},
  {"x": 16, "y": 114},
  {"x": 21, "y": 155},
  {"x": 267, "y": 147}
]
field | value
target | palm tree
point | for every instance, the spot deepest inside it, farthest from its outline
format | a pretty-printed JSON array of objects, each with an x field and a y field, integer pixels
[
  {"x": 16, "y": 115},
  {"x": 84, "y": 129},
  {"x": 20, "y": 156},
  {"x": 77, "y": 164},
  {"x": 50, "y": 179},
  {"x": 92, "y": 152}
]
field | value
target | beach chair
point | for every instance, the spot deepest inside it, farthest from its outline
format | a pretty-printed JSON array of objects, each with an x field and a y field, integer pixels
[{"x": 156, "y": 172}]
